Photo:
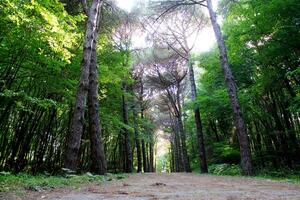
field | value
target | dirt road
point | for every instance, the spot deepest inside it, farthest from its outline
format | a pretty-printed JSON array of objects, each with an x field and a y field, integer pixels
[{"x": 181, "y": 186}]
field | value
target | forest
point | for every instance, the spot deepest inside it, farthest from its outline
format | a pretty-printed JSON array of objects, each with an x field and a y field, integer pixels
[{"x": 87, "y": 86}]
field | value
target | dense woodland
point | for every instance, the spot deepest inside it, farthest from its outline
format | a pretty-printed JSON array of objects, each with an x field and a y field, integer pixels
[{"x": 76, "y": 92}]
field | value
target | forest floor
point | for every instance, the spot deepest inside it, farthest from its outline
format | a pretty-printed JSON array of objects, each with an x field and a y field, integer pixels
[{"x": 172, "y": 186}]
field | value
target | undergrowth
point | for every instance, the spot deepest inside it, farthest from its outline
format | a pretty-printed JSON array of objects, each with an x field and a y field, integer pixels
[
  {"x": 23, "y": 181},
  {"x": 285, "y": 175}
]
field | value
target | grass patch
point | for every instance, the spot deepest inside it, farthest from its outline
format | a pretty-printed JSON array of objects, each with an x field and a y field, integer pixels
[
  {"x": 282, "y": 175},
  {"x": 225, "y": 169},
  {"x": 23, "y": 181}
]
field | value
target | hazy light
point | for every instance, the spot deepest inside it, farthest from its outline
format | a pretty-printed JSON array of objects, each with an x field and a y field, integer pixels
[
  {"x": 204, "y": 42},
  {"x": 126, "y": 4}
]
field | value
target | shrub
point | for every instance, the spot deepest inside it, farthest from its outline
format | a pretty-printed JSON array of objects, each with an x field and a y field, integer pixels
[
  {"x": 225, "y": 169},
  {"x": 225, "y": 153}
]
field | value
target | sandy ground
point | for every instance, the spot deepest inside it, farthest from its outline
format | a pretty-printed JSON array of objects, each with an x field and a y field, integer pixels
[{"x": 177, "y": 186}]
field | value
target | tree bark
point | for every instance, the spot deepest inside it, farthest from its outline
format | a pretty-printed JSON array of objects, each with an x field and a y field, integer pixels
[
  {"x": 73, "y": 142},
  {"x": 232, "y": 90},
  {"x": 199, "y": 128},
  {"x": 127, "y": 145},
  {"x": 137, "y": 140},
  {"x": 184, "y": 147},
  {"x": 151, "y": 156},
  {"x": 186, "y": 162},
  {"x": 99, "y": 164},
  {"x": 145, "y": 169},
  {"x": 144, "y": 156},
  {"x": 178, "y": 148}
]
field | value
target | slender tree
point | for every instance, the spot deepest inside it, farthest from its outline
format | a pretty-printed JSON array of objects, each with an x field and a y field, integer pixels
[{"x": 232, "y": 91}]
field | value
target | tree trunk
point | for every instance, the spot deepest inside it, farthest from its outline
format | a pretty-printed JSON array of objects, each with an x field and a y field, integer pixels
[
  {"x": 151, "y": 157},
  {"x": 184, "y": 147},
  {"x": 144, "y": 156},
  {"x": 199, "y": 128},
  {"x": 145, "y": 169},
  {"x": 73, "y": 142},
  {"x": 232, "y": 90},
  {"x": 99, "y": 164},
  {"x": 185, "y": 157},
  {"x": 147, "y": 157},
  {"x": 127, "y": 145},
  {"x": 177, "y": 147},
  {"x": 137, "y": 140}
]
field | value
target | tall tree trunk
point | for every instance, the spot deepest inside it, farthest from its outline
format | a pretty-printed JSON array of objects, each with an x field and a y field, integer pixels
[
  {"x": 73, "y": 142},
  {"x": 147, "y": 157},
  {"x": 186, "y": 162},
  {"x": 127, "y": 145},
  {"x": 145, "y": 169},
  {"x": 185, "y": 157},
  {"x": 144, "y": 156},
  {"x": 232, "y": 90},
  {"x": 137, "y": 140},
  {"x": 99, "y": 164},
  {"x": 151, "y": 157},
  {"x": 199, "y": 128},
  {"x": 174, "y": 154},
  {"x": 177, "y": 146}
]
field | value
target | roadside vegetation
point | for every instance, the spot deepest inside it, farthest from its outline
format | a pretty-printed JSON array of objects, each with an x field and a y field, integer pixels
[{"x": 44, "y": 182}]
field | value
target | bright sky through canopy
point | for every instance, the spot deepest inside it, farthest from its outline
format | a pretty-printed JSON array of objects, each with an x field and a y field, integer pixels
[
  {"x": 126, "y": 4},
  {"x": 205, "y": 41}
]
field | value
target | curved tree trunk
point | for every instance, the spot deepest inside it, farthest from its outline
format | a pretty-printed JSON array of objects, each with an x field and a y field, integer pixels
[
  {"x": 73, "y": 142},
  {"x": 232, "y": 91}
]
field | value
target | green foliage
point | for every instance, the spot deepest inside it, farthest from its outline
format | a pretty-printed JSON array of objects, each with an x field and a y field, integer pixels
[
  {"x": 262, "y": 40},
  {"x": 225, "y": 169},
  {"x": 286, "y": 175},
  {"x": 225, "y": 153},
  {"x": 43, "y": 182},
  {"x": 162, "y": 163},
  {"x": 19, "y": 182},
  {"x": 41, "y": 51}
]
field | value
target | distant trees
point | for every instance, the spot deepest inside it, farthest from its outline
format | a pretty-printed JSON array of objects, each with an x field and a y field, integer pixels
[
  {"x": 166, "y": 76},
  {"x": 141, "y": 104},
  {"x": 178, "y": 31}
]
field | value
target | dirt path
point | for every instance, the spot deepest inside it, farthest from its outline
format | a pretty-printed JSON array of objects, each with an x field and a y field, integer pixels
[{"x": 181, "y": 186}]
